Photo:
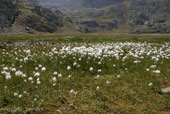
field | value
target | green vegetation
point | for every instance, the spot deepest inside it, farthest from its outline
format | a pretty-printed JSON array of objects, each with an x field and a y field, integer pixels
[
  {"x": 94, "y": 37},
  {"x": 84, "y": 74}
]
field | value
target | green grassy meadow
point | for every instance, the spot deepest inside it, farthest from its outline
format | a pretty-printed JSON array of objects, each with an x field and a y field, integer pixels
[{"x": 84, "y": 74}]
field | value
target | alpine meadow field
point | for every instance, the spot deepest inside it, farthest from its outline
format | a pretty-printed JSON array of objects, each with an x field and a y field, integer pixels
[{"x": 85, "y": 74}]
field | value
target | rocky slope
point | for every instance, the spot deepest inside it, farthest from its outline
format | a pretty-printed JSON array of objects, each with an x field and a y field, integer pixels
[
  {"x": 26, "y": 16},
  {"x": 7, "y": 17},
  {"x": 133, "y": 16},
  {"x": 101, "y": 16},
  {"x": 149, "y": 16},
  {"x": 87, "y": 16},
  {"x": 76, "y": 4},
  {"x": 90, "y": 16},
  {"x": 99, "y": 3}
]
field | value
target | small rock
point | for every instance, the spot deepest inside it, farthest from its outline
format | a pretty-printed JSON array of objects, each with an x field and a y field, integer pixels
[
  {"x": 165, "y": 90},
  {"x": 1, "y": 47},
  {"x": 27, "y": 28}
]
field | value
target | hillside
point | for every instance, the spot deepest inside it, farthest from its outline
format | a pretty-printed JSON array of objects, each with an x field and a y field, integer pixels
[
  {"x": 76, "y": 4},
  {"x": 85, "y": 16},
  {"x": 149, "y": 16},
  {"x": 133, "y": 16},
  {"x": 7, "y": 17},
  {"x": 99, "y": 3},
  {"x": 26, "y": 16}
]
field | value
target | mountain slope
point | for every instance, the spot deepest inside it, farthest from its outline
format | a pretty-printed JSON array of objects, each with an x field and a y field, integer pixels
[
  {"x": 93, "y": 15},
  {"x": 26, "y": 16},
  {"x": 133, "y": 16},
  {"x": 62, "y": 5},
  {"x": 87, "y": 16},
  {"x": 75, "y": 4},
  {"x": 99, "y": 3},
  {"x": 151, "y": 16},
  {"x": 8, "y": 13}
]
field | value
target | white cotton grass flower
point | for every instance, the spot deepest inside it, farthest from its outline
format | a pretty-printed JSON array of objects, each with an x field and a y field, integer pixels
[
  {"x": 20, "y": 60},
  {"x": 43, "y": 69},
  {"x": 99, "y": 63},
  {"x": 114, "y": 65},
  {"x": 38, "y": 79},
  {"x": 80, "y": 59},
  {"x": 97, "y": 88},
  {"x": 25, "y": 59},
  {"x": 24, "y": 75},
  {"x": 157, "y": 71},
  {"x": 15, "y": 94},
  {"x": 99, "y": 70},
  {"x": 98, "y": 76},
  {"x": 68, "y": 68},
  {"x": 153, "y": 66},
  {"x": 54, "y": 84},
  {"x": 150, "y": 84},
  {"x": 30, "y": 78},
  {"x": 54, "y": 79},
  {"x": 13, "y": 69},
  {"x": 3, "y": 72},
  {"x": 5, "y": 68},
  {"x": 25, "y": 92},
  {"x": 27, "y": 52},
  {"x": 18, "y": 73},
  {"x": 59, "y": 111},
  {"x": 20, "y": 96},
  {"x": 136, "y": 61},
  {"x": 118, "y": 76},
  {"x": 69, "y": 76},
  {"x": 38, "y": 82},
  {"x": 59, "y": 75},
  {"x": 5, "y": 87},
  {"x": 74, "y": 64},
  {"x": 91, "y": 69},
  {"x": 147, "y": 69},
  {"x": 37, "y": 74},
  {"x": 36, "y": 68},
  {"x": 73, "y": 92},
  {"x": 108, "y": 82},
  {"x": 78, "y": 66},
  {"x": 8, "y": 76},
  {"x": 55, "y": 73}
]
